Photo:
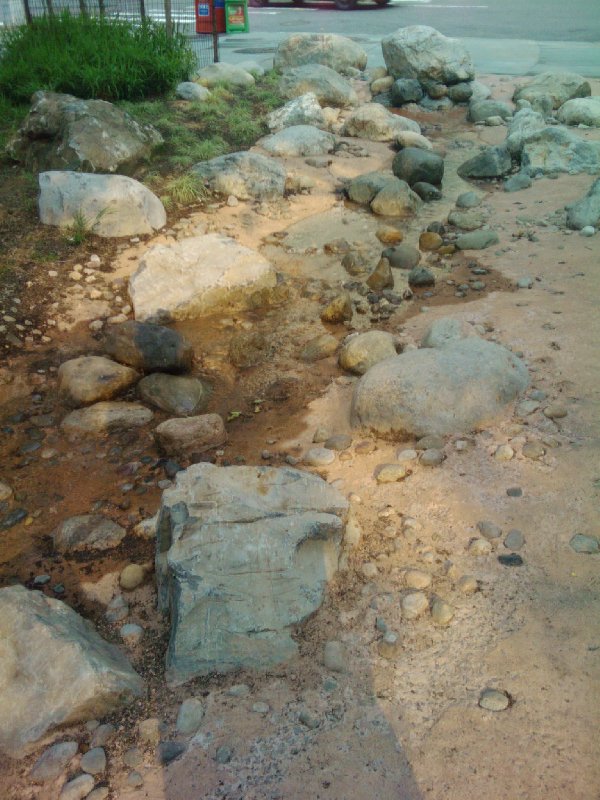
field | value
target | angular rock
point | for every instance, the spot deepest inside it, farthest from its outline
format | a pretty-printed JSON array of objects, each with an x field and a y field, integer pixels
[
  {"x": 421, "y": 52},
  {"x": 337, "y": 52},
  {"x": 361, "y": 351},
  {"x": 191, "y": 91},
  {"x": 303, "y": 110},
  {"x": 87, "y": 532},
  {"x": 381, "y": 277},
  {"x": 62, "y": 132},
  {"x": 222, "y": 72},
  {"x": 148, "y": 347},
  {"x": 105, "y": 417},
  {"x": 396, "y": 199},
  {"x": 558, "y": 86},
  {"x": 557, "y": 149},
  {"x": 492, "y": 162},
  {"x": 243, "y": 555},
  {"x": 338, "y": 310},
  {"x": 88, "y": 379},
  {"x": 421, "y": 276},
  {"x": 412, "y": 164},
  {"x": 374, "y": 122},
  {"x": 176, "y": 394},
  {"x": 480, "y": 110},
  {"x": 320, "y": 347},
  {"x": 582, "y": 111},
  {"x": 328, "y": 86},
  {"x": 186, "y": 436},
  {"x": 111, "y": 205},
  {"x": 298, "y": 140},
  {"x": 476, "y": 240},
  {"x": 586, "y": 211},
  {"x": 453, "y": 389},
  {"x": 247, "y": 176},
  {"x": 517, "y": 183},
  {"x": 56, "y": 670},
  {"x": 581, "y": 543},
  {"x": 190, "y": 277},
  {"x": 406, "y": 90}
]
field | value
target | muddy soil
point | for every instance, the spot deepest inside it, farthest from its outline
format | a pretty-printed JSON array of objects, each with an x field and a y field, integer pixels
[{"x": 407, "y": 727}]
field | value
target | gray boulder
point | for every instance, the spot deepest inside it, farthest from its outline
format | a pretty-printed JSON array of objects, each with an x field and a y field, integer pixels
[
  {"x": 222, "y": 72},
  {"x": 247, "y": 176},
  {"x": 557, "y": 149},
  {"x": 457, "y": 388},
  {"x": 480, "y": 110},
  {"x": 421, "y": 52},
  {"x": 303, "y": 110},
  {"x": 87, "y": 532},
  {"x": 586, "y": 211},
  {"x": 524, "y": 124},
  {"x": 148, "y": 347},
  {"x": 62, "y": 132},
  {"x": 112, "y": 205},
  {"x": 326, "y": 84},
  {"x": 374, "y": 122},
  {"x": 298, "y": 140},
  {"x": 361, "y": 351},
  {"x": 181, "y": 395},
  {"x": 337, "y": 52},
  {"x": 582, "y": 111},
  {"x": 191, "y": 91},
  {"x": 55, "y": 670},
  {"x": 557, "y": 86},
  {"x": 396, "y": 199},
  {"x": 406, "y": 90},
  {"x": 88, "y": 379},
  {"x": 243, "y": 556},
  {"x": 414, "y": 165},
  {"x": 491, "y": 162}
]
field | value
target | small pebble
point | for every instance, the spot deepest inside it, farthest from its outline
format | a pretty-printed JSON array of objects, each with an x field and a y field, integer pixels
[
  {"x": 224, "y": 754},
  {"x": 406, "y": 455},
  {"x": 533, "y": 450},
  {"x": 238, "y": 690},
  {"x": 514, "y": 491},
  {"x": 389, "y": 645},
  {"x": 555, "y": 411},
  {"x": 309, "y": 720},
  {"x": 135, "y": 779},
  {"x": 169, "y": 751},
  {"x": 339, "y": 442},
  {"x": 335, "y": 657},
  {"x": 585, "y": 544},
  {"x": 131, "y": 633},
  {"x": 511, "y": 560},
  {"x": 414, "y": 605},
  {"x": 133, "y": 757},
  {"x": 432, "y": 458},
  {"x": 94, "y": 761},
  {"x": 102, "y": 735},
  {"x": 479, "y": 547},
  {"x": 514, "y": 540},
  {"x": 417, "y": 579},
  {"x": 468, "y": 584},
  {"x": 504, "y": 453},
  {"x": 390, "y": 473},
  {"x": 261, "y": 708},
  {"x": 441, "y": 612},
  {"x": 190, "y": 716},
  {"x": 319, "y": 457},
  {"x": 489, "y": 530},
  {"x": 494, "y": 700},
  {"x": 150, "y": 730},
  {"x": 132, "y": 576}
]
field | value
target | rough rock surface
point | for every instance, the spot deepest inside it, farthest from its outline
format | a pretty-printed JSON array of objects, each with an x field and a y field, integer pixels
[
  {"x": 243, "y": 554},
  {"x": 63, "y": 132},
  {"x": 247, "y": 176},
  {"x": 56, "y": 669},
  {"x": 328, "y": 86},
  {"x": 148, "y": 347},
  {"x": 105, "y": 417},
  {"x": 558, "y": 86},
  {"x": 586, "y": 211},
  {"x": 444, "y": 331},
  {"x": 363, "y": 188},
  {"x": 421, "y": 52},
  {"x": 359, "y": 353},
  {"x": 88, "y": 379},
  {"x": 222, "y": 72},
  {"x": 113, "y": 205},
  {"x": 87, "y": 532},
  {"x": 581, "y": 111},
  {"x": 374, "y": 122},
  {"x": 303, "y": 110},
  {"x": 176, "y": 394},
  {"x": 191, "y": 91},
  {"x": 452, "y": 389},
  {"x": 186, "y": 279},
  {"x": 415, "y": 165},
  {"x": 337, "y": 52},
  {"x": 554, "y": 150},
  {"x": 492, "y": 162},
  {"x": 396, "y": 199},
  {"x": 480, "y": 110},
  {"x": 524, "y": 124},
  {"x": 298, "y": 140},
  {"x": 187, "y": 436}
]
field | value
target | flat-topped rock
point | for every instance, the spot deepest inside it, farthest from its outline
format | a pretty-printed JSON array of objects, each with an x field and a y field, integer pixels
[
  {"x": 105, "y": 417},
  {"x": 87, "y": 532},
  {"x": 247, "y": 176},
  {"x": 88, "y": 379}
]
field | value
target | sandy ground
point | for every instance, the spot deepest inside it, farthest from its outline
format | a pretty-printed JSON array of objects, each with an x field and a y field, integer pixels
[{"x": 407, "y": 727}]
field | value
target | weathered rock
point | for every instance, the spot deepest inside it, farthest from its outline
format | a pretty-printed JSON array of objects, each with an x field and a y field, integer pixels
[
  {"x": 381, "y": 277},
  {"x": 581, "y": 543},
  {"x": 338, "y": 310},
  {"x": 468, "y": 220},
  {"x": 247, "y": 176},
  {"x": 524, "y": 123},
  {"x": 191, "y": 91},
  {"x": 442, "y": 613},
  {"x": 390, "y": 473},
  {"x": 328, "y": 86},
  {"x": 63, "y": 132},
  {"x": 337, "y": 52},
  {"x": 77, "y": 789},
  {"x": 186, "y": 436},
  {"x": 468, "y": 200},
  {"x": 94, "y": 761},
  {"x": 222, "y": 72},
  {"x": 111, "y": 205},
  {"x": 396, "y": 199},
  {"x": 381, "y": 85},
  {"x": 87, "y": 532},
  {"x": 480, "y": 110},
  {"x": 374, "y": 122},
  {"x": 426, "y": 191},
  {"x": 406, "y": 90},
  {"x": 421, "y": 52},
  {"x": 53, "y": 762},
  {"x": 402, "y": 256},
  {"x": 494, "y": 700},
  {"x": 389, "y": 234},
  {"x": 421, "y": 276},
  {"x": 585, "y": 211},
  {"x": 365, "y": 187},
  {"x": 190, "y": 716},
  {"x": 492, "y": 162},
  {"x": 148, "y": 347},
  {"x": 362, "y": 350},
  {"x": 320, "y": 347},
  {"x": 445, "y": 331},
  {"x": 248, "y": 561},
  {"x": 429, "y": 241},
  {"x": 5, "y": 492},
  {"x": 557, "y": 149},
  {"x": 413, "y": 164},
  {"x": 105, "y": 417},
  {"x": 558, "y": 86},
  {"x": 414, "y": 605},
  {"x": 319, "y": 457},
  {"x": 581, "y": 111},
  {"x": 403, "y": 395},
  {"x": 176, "y": 394},
  {"x": 477, "y": 240},
  {"x": 335, "y": 657},
  {"x": 302, "y": 110},
  {"x": 461, "y": 92},
  {"x": 131, "y": 577},
  {"x": 298, "y": 140},
  {"x": 88, "y": 379},
  {"x": 517, "y": 183},
  {"x": 56, "y": 669},
  {"x": 186, "y": 279},
  {"x": 247, "y": 349}
]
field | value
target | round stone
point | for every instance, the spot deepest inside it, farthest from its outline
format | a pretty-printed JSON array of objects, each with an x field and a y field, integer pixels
[
  {"x": 389, "y": 646},
  {"x": 533, "y": 450},
  {"x": 133, "y": 757},
  {"x": 94, "y": 761},
  {"x": 341, "y": 441},
  {"x": 555, "y": 411},
  {"x": 387, "y": 234},
  {"x": 5, "y": 492},
  {"x": 131, "y": 576},
  {"x": 319, "y": 457},
  {"x": 480, "y": 547},
  {"x": 468, "y": 584},
  {"x": 514, "y": 540},
  {"x": 494, "y": 700},
  {"x": 431, "y": 442},
  {"x": 261, "y": 708},
  {"x": 406, "y": 455},
  {"x": 489, "y": 529},
  {"x": 429, "y": 241},
  {"x": 390, "y": 473},
  {"x": 414, "y": 605},
  {"x": 189, "y": 716},
  {"x": 432, "y": 458},
  {"x": 504, "y": 453},
  {"x": 441, "y": 612},
  {"x": 135, "y": 779},
  {"x": 417, "y": 579}
]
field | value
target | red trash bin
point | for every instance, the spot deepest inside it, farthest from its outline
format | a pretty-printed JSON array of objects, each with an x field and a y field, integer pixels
[{"x": 204, "y": 16}]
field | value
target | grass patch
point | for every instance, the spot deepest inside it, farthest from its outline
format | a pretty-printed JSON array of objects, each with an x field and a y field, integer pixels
[{"x": 92, "y": 57}]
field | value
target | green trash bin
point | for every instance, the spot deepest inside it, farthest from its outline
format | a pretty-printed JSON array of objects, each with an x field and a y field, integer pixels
[{"x": 236, "y": 16}]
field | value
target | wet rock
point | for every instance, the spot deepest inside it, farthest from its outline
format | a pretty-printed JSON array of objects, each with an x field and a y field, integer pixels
[
  {"x": 422, "y": 53},
  {"x": 412, "y": 164},
  {"x": 53, "y": 762},
  {"x": 303, "y": 110},
  {"x": 244, "y": 175},
  {"x": 318, "y": 348},
  {"x": 87, "y": 532},
  {"x": 360, "y": 352},
  {"x": 298, "y": 140},
  {"x": 444, "y": 331},
  {"x": 176, "y": 394},
  {"x": 414, "y": 605},
  {"x": 494, "y": 700},
  {"x": 557, "y": 86},
  {"x": 184, "y": 436},
  {"x": 581, "y": 543},
  {"x": 375, "y": 123},
  {"x": 390, "y": 473},
  {"x": 421, "y": 276},
  {"x": 426, "y": 191},
  {"x": 338, "y": 310},
  {"x": 477, "y": 240},
  {"x": 491, "y": 162},
  {"x": 94, "y": 761},
  {"x": 88, "y": 379},
  {"x": 381, "y": 277},
  {"x": 148, "y": 347},
  {"x": 406, "y": 90},
  {"x": 403, "y": 256},
  {"x": 328, "y": 86},
  {"x": 77, "y": 789},
  {"x": 336, "y": 52},
  {"x": 189, "y": 716}
]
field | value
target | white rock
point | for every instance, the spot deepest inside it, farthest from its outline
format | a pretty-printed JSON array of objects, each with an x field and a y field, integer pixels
[
  {"x": 221, "y": 72},
  {"x": 374, "y": 122},
  {"x": 194, "y": 92}
]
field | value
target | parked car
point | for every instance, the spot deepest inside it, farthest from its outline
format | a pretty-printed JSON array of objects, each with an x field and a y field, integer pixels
[{"x": 343, "y": 5}]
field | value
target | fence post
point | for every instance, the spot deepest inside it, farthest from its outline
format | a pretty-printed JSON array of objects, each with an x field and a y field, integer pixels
[
  {"x": 83, "y": 8},
  {"x": 215, "y": 34},
  {"x": 50, "y": 7},
  {"x": 168, "y": 18},
  {"x": 143, "y": 10},
  {"x": 27, "y": 10}
]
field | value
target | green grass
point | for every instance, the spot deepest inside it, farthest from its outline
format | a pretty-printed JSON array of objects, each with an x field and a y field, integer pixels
[{"x": 92, "y": 57}]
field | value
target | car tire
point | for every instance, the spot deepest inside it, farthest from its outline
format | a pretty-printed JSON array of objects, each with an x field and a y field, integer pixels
[
  {"x": 382, "y": 2},
  {"x": 345, "y": 5}
]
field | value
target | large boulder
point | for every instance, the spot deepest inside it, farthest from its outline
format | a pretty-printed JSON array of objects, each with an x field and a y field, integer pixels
[
  {"x": 190, "y": 277},
  {"x": 148, "y": 347},
  {"x": 302, "y": 110},
  {"x": 243, "y": 555},
  {"x": 414, "y": 165},
  {"x": 54, "y": 669},
  {"x": 552, "y": 89},
  {"x": 298, "y": 140},
  {"x": 326, "y": 84},
  {"x": 524, "y": 124},
  {"x": 421, "y": 52},
  {"x": 457, "y": 388},
  {"x": 111, "y": 205},
  {"x": 586, "y": 211},
  {"x": 337, "y": 52},
  {"x": 557, "y": 149},
  {"x": 374, "y": 122},
  {"x": 62, "y": 132},
  {"x": 247, "y": 176},
  {"x": 581, "y": 111}
]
